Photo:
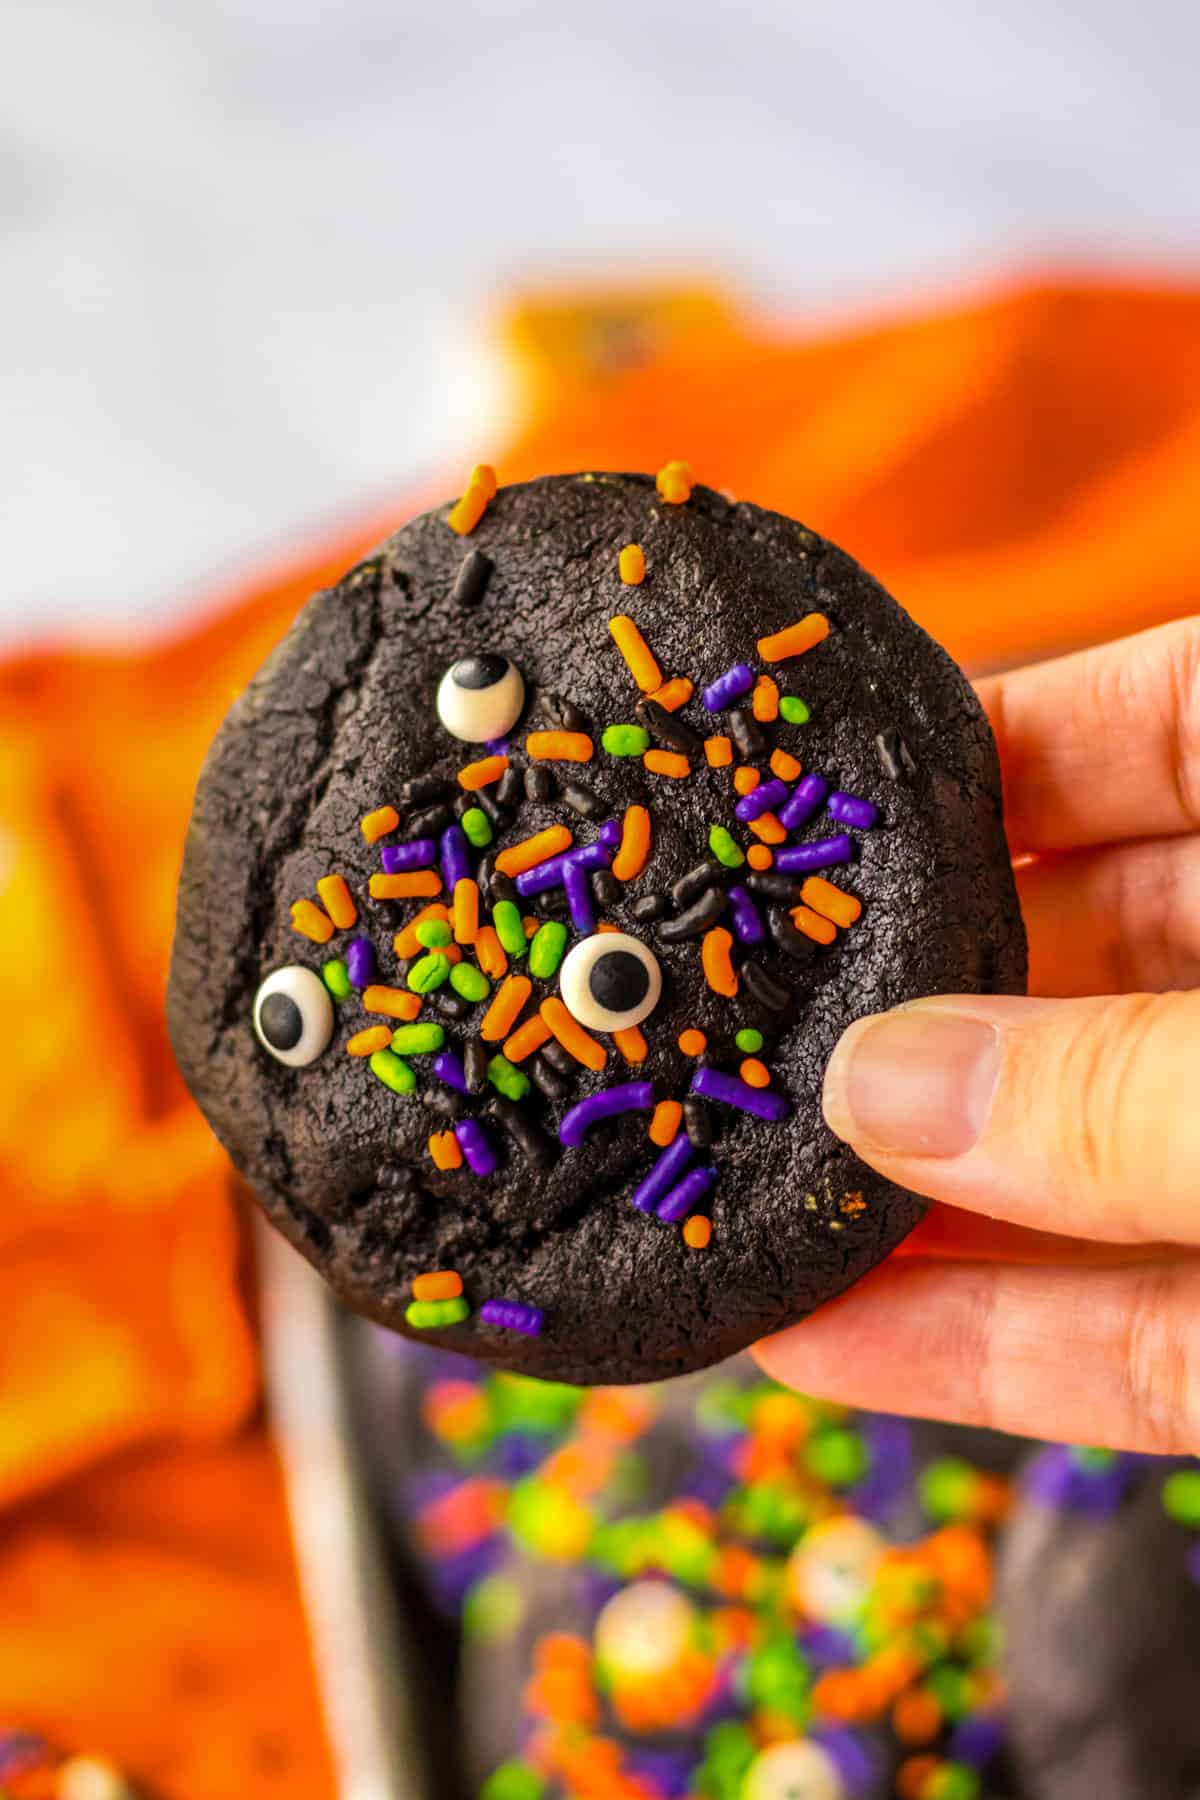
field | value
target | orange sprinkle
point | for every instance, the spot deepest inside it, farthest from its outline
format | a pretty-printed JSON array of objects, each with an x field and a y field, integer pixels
[
  {"x": 530, "y": 926},
  {"x": 759, "y": 857},
  {"x": 406, "y": 943},
  {"x": 466, "y": 513},
  {"x": 852, "y": 1204},
  {"x": 560, "y": 746},
  {"x": 489, "y": 953},
  {"x": 821, "y": 931},
  {"x": 394, "y": 1003},
  {"x": 631, "y": 1044},
  {"x": 784, "y": 764},
  {"x": 603, "y": 925},
  {"x": 755, "y": 1073},
  {"x": 718, "y": 752},
  {"x": 377, "y": 824},
  {"x": 768, "y": 828},
  {"x": 917, "y": 1717},
  {"x": 914, "y": 1775},
  {"x": 406, "y": 887},
  {"x": 831, "y": 901},
  {"x": 634, "y": 847},
  {"x": 439, "y": 1284},
  {"x": 664, "y": 1126},
  {"x": 764, "y": 701},
  {"x": 481, "y": 774},
  {"x": 692, "y": 1042},
  {"x": 466, "y": 910},
  {"x": 452, "y": 953},
  {"x": 446, "y": 1153},
  {"x": 639, "y": 659},
  {"x": 311, "y": 922},
  {"x": 483, "y": 475},
  {"x": 674, "y": 483},
  {"x": 366, "y": 1043},
  {"x": 534, "y": 850},
  {"x": 667, "y": 762},
  {"x": 631, "y": 565},
  {"x": 526, "y": 1039},
  {"x": 505, "y": 1009},
  {"x": 697, "y": 1232},
  {"x": 573, "y": 1038},
  {"x": 794, "y": 639},
  {"x": 745, "y": 779},
  {"x": 715, "y": 960},
  {"x": 674, "y": 693},
  {"x": 338, "y": 901}
]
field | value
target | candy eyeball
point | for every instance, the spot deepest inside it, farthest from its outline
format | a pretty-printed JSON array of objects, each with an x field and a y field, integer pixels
[
  {"x": 799, "y": 1770},
  {"x": 610, "y": 982},
  {"x": 829, "y": 1573},
  {"x": 480, "y": 697},
  {"x": 293, "y": 1016},
  {"x": 643, "y": 1631}
]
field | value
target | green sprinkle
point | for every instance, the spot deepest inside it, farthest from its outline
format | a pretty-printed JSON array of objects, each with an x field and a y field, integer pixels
[
  {"x": 954, "y": 1781},
  {"x": 794, "y": 710},
  {"x": 512, "y": 1781},
  {"x": 393, "y": 1072},
  {"x": 424, "y": 1314},
  {"x": 949, "y": 1686},
  {"x": 507, "y": 1079},
  {"x": 418, "y": 1039},
  {"x": 1181, "y": 1497},
  {"x": 510, "y": 929},
  {"x": 725, "y": 848},
  {"x": 336, "y": 977},
  {"x": 476, "y": 827},
  {"x": 469, "y": 982},
  {"x": 947, "y": 1489},
  {"x": 434, "y": 934},
  {"x": 1087, "y": 1456},
  {"x": 493, "y": 1609},
  {"x": 429, "y": 972},
  {"x": 749, "y": 1041},
  {"x": 546, "y": 948},
  {"x": 625, "y": 740},
  {"x": 838, "y": 1457}
]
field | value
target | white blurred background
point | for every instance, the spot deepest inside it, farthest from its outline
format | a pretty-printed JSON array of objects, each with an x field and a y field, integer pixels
[{"x": 244, "y": 244}]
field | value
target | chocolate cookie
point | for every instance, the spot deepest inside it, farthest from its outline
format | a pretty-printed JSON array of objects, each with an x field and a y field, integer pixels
[{"x": 529, "y": 887}]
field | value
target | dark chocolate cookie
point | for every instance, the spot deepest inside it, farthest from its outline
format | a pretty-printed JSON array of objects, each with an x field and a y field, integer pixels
[{"x": 606, "y": 1151}]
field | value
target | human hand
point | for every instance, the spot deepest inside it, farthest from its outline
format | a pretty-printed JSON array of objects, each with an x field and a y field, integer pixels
[{"x": 1054, "y": 1290}]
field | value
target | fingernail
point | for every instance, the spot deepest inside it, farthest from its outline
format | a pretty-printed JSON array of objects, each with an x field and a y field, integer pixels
[{"x": 917, "y": 1082}]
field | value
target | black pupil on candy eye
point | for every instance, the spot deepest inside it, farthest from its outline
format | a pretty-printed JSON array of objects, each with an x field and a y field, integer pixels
[
  {"x": 281, "y": 1021},
  {"x": 482, "y": 671},
  {"x": 619, "y": 980}
]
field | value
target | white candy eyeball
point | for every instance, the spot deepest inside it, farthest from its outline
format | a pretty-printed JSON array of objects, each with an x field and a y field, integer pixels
[
  {"x": 800, "y": 1770},
  {"x": 293, "y": 1016},
  {"x": 643, "y": 1630},
  {"x": 829, "y": 1573},
  {"x": 610, "y": 982},
  {"x": 480, "y": 697}
]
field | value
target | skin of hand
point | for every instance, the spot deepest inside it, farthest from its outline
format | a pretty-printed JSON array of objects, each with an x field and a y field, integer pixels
[{"x": 1054, "y": 1287}]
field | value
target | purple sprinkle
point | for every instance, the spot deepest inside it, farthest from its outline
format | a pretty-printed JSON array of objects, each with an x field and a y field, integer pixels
[
  {"x": 807, "y": 799},
  {"x": 497, "y": 746},
  {"x": 763, "y": 798},
  {"x": 360, "y": 962},
  {"x": 610, "y": 833},
  {"x": 746, "y": 922},
  {"x": 728, "y": 687},
  {"x": 686, "y": 1193},
  {"x": 447, "y": 1066},
  {"x": 854, "y": 1761},
  {"x": 827, "y": 1647},
  {"x": 976, "y": 1740},
  {"x": 625, "y": 1096},
  {"x": 551, "y": 873},
  {"x": 398, "y": 858},
  {"x": 821, "y": 855},
  {"x": 513, "y": 1315},
  {"x": 848, "y": 809},
  {"x": 476, "y": 1147},
  {"x": 669, "y": 1772},
  {"x": 671, "y": 1164},
  {"x": 732, "y": 1091},
  {"x": 456, "y": 861},
  {"x": 579, "y": 899},
  {"x": 1191, "y": 1563}
]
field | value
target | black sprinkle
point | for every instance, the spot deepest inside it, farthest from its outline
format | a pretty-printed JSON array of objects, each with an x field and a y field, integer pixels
[
  {"x": 552, "y": 904},
  {"x": 463, "y": 804},
  {"x": 773, "y": 885},
  {"x": 697, "y": 919},
  {"x": 894, "y": 755},
  {"x": 529, "y": 1138},
  {"x": 558, "y": 1058},
  {"x": 696, "y": 1122},
  {"x": 497, "y": 814},
  {"x": 445, "y": 1100},
  {"x": 474, "y": 572},
  {"x": 547, "y": 1079},
  {"x": 427, "y": 824},
  {"x": 582, "y": 800},
  {"x": 485, "y": 873},
  {"x": 749, "y": 740},
  {"x": 422, "y": 789},
  {"x": 697, "y": 881},
  {"x": 539, "y": 783},
  {"x": 666, "y": 729},
  {"x": 398, "y": 1178},
  {"x": 475, "y": 1065},
  {"x": 650, "y": 906},
  {"x": 501, "y": 887},
  {"x": 606, "y": 887},
  {"x": 509, "y": 787},
  {"x": 451, "y": 1005},
  {"x": 793, "y": 943},
  {"x": 760, "y": 987},
  {"x": 562, "y": 713}
]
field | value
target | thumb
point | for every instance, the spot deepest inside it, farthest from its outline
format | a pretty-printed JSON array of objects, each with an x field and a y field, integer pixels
[{"x": 1073, "y": 1116}]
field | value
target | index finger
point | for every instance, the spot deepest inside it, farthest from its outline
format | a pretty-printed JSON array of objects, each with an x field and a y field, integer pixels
[{"x": 1102, "y": 745}]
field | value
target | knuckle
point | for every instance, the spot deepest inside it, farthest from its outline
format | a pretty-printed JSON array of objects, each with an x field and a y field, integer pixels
[
  {"x": 1099, "y": 1090},
  {"x": 1160, "y": 1361}
]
